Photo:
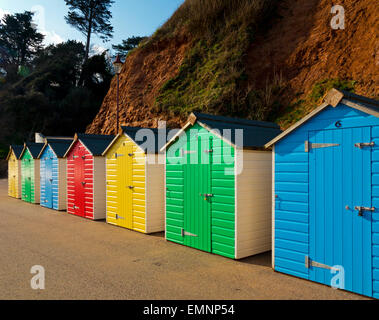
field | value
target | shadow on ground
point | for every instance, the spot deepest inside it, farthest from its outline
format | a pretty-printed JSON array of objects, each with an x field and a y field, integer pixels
[{"x": 263, "y": 259}]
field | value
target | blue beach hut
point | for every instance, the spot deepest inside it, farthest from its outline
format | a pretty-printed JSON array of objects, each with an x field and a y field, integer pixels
[
  {"x": 53, "y": 173},
  {"x": 326, "y": 195}
]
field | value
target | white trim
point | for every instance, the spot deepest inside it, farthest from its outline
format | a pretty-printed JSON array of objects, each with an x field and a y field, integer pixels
[
  {"x": 178, "y": 134},
  {"x": 70, "y": 147},
  {"x": 165, "y": 195},
  {"x": 296, "y": 125},
  {"x": 111, "y": 145},
  {"x": 273, "y": 209},
  {"x": 359, "y": 107},
  {"x": 235, "y": 203},
  {"x": 146, "y": 194},
  {"x": 216, "y": 134}
]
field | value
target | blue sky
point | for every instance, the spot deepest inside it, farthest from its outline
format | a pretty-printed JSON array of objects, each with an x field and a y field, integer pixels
[{"x": 130, "y": 17}]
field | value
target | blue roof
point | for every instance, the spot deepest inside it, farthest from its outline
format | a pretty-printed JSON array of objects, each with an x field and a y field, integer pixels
[
  {"x": 17, "y": 149},
  {"x": 255, "y": 133},
  {"x": 34, "y": 149},
  {"x": 59, "y": 146},
  {"x": 95, "y": 143}
]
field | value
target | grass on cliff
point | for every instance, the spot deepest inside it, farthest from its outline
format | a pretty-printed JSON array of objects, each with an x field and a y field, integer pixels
[
  {"x": 300, "y": 108},
  {"x": 212, "y": 77}
]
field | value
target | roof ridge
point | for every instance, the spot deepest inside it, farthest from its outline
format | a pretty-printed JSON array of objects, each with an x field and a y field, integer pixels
[
  {"x": 233, "y": 120},
  {"x": 351, "y": 95}
]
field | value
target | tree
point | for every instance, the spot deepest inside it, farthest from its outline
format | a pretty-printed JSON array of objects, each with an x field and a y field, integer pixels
[
  {"x": 19, "y": 40},
  {"x": 90, "y": 17},
  {"x": 49, "y": 99},
  {"x": 127, "y": 45}
]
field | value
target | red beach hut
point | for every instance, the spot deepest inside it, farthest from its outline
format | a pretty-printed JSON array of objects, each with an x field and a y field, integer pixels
[{"x": 86, "y": 176}]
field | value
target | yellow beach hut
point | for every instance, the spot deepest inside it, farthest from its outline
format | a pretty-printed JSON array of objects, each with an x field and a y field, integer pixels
[
  {"x": 14, "y": 171},
  {"x": 135, "y": 180}
]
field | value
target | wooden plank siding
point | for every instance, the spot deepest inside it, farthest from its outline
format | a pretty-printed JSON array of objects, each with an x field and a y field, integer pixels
[
  {"x": 253, "y": 190},
  {"x": 155, "y": 221},
  {"x": 375, "y": 215},
  {"x": 88, "y": 165},
  {"x": 14, "y": 176},
  {"x": 62, "y": 184},
  {"x": 291, "y": 185},
  {"x": 99, "y": 187}
]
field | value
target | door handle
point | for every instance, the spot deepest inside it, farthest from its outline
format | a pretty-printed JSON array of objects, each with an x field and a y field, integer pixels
[{"x": 361, "y": 209}]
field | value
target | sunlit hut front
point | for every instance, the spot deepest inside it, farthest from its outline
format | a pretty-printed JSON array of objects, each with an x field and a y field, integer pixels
[
  {"x": 14, "y": 171},
  {"x": 30, "y": 172},
  {"x": 86, "y": 176},
  {"x": 326, "y": 195},
  {"x": 218, "y": 185},
  {"x": 135, "y": 179},
  {"x": 53, "y": 173}
]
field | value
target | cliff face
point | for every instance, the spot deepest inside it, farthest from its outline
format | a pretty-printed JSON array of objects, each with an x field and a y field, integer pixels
[
  {"x": 143, "y": 74},
  {"x": 282, "y": 65}
]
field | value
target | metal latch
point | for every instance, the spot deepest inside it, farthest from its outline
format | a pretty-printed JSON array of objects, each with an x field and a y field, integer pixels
[
  {"x": 119, "y": 218},
  {"x": 75, "y": 207},
  {"x": 208, "y": 151},
  {"x": 365, "y": 144},
  {"x": 361, "y": 209},
  {"x": 130, "y": 154},
  {"x": 184, "y": 152},
  {"x": 131, "y": 187},
  {"x": 310, "y": 263},
  {"x": 83, "y": 183},
  {"x": 308, "y": 146},
  {"x": 188, "y": 234},
  {"x": 75, "y": 157},
  {"x": 116, "y": 155}
]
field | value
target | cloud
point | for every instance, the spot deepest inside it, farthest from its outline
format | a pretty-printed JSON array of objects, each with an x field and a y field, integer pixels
[
  {"x": 3, "y": 13},
  {"x": 96, "y": 49},
  {"x": 51, "y": 37}
]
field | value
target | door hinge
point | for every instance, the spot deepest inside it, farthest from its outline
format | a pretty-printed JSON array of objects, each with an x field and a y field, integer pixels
[
  {"x": 310, "y": 263},
  {"x": 308, "y": 146},
  {"x": 361, "y": 145},
  {"x": 188, "y": 234},
  {"x": 361, "y": 209}
]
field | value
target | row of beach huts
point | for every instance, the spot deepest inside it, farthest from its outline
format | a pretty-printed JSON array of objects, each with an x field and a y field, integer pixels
[{"x": 231, "y": 187}]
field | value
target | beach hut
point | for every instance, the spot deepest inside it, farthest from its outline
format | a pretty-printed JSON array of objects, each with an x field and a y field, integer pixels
[
  {"x": 326, "y": 195},
  {"x": 53, "y": 173},
  {"x": 218, "y": 185},
  {"x": 135, "y": 180},
  {"x": 30, "y": 172},
  {"x": 14, "y": 171},
  {"x": 86, "y": 176}
]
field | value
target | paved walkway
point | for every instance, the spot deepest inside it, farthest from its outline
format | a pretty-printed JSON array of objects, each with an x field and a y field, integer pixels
[{"x": 93, "y": 260}]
